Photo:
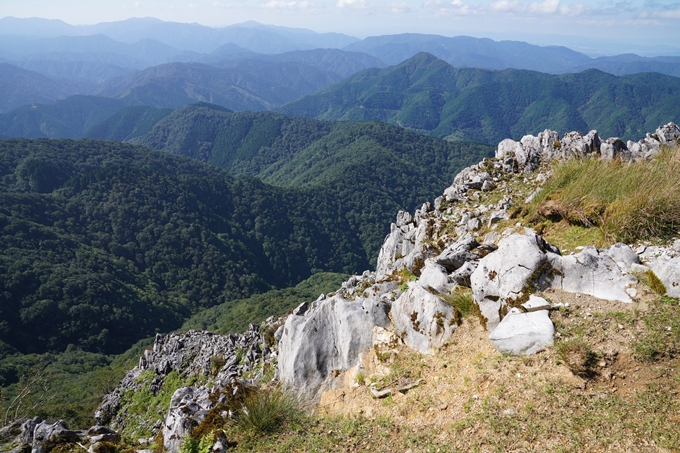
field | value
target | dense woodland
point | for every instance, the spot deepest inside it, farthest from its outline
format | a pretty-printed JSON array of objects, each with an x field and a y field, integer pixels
[{"x": 105, "y": 243}]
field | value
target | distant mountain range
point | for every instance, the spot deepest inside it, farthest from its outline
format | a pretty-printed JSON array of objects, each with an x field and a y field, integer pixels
[
  {"x": 424, "y": 94},
  {"x": 427, "y": 94},
  {"x": 257, "y": 37},
  {"x": 142, "y": 42}
]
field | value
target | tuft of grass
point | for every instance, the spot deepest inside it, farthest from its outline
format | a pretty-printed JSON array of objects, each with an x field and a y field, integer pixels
[
  {"x": 267, "y": 410},
  {"x": 655, "y": 283},
  {"x": 579, "y": 357},
  {"x": 626, "y": 201},
  {"x": 463, "y": 303}
]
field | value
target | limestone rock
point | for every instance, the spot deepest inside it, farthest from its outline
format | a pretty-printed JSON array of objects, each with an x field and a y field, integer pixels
[
  {"x": 423, "y": 319},
  {"x": 668, "y": 271},
  {"x": 535, "y": 303},
  {"x": 505, "y": 276},
  {"x": 591, "y": 272},
  {"x": 188, "y": 407},
  {"x": 435, "y": 276},
  {"x": 457, "y": 254},
  {"x": 623, "y": 256},
  {"x": 327, "y": 339},
  {"x": 523, "y": 333},
  {"x": 668, "y": 134},
  {"x": 46, "y": 435}
]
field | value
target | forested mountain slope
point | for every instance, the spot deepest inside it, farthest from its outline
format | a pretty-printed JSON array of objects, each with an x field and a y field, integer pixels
[
  {"x": 104, "y": 243},
  {"x": 429, "y": 95},
  {"x": 371, "y": 169}
]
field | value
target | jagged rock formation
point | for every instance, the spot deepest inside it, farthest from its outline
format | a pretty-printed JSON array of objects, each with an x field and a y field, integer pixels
[
  {"x": 436, "y": 244},
  {"x": 40, "y": 436},
  {"x": 422, "y": 263},
  {"x": 225, "y": 359},
  {"x": 327, "y": 336}
]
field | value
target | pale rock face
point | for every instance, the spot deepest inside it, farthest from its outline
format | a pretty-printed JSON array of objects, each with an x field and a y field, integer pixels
[
  {"x": 623, "y": 256},
  {"x": 503, "y": 276},
  {"x": 668, "y": 133},
  {"x": 508, "y": 147},
  {"x": 523, "y": 333},
  {"x": 458, "y": 253},
  {"x": 591, "y": 272},
  {"x": 576, "y": 144},
  {"x": 536, "y": 303},
  {"x": 188, "y": 407},
  {"x": 435, "y": 275},
  {"x": 422, "y": 319},
  {"x": 668, "y": 270},
  {"x": 328, "y": 338}
]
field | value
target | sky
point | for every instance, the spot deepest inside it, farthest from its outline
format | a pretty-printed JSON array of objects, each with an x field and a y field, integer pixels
[{"x": 607, "y": 27}]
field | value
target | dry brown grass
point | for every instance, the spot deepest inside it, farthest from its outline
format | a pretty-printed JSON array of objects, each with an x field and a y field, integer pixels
[{"x": 628, "y": 202}]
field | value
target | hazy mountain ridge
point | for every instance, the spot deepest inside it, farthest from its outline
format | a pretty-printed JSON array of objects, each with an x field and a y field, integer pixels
[{"x": 427, "y": 94}]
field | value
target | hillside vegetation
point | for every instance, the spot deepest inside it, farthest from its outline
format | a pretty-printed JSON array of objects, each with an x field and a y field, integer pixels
[
  {"x": 624, "y": 203},
  {"x": 72, "y": 383},
  {"x": 429, "y": 95},
  {"x": 104, "y": 244}
]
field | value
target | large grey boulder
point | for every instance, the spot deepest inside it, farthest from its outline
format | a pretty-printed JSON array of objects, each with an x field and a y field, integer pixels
[
  {"x": 667, "y": 269},
  {"x": 457, "y": 254},
  {"x": 623, "y": 256},
  {"x": 422, "y": 319},
  {"x": 592, "y": 272},
  {"x": 328, "y": 338},
  {"x": 523, "y": 333},
  {"x": 46, "y": 435},
  {"x": 403, "y": 247},
  {"x": 434, "y": 275},
  {"x": 575, "y": 144},
  {"x": 508, "y": 275},
  {"x": 188, "y": 407}
]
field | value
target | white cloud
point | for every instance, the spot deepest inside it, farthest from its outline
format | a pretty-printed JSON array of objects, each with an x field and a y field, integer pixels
[
  {"x": 281, "y": 4},
  {"x": 456, "y": 8},
  {"x": 374, "y": 7},
  {"x": 192, "y": 5},
  {"x": 546, "y": 7},
  {"x": 669, "y": 14},
  {"x": 358, "y": 4}
]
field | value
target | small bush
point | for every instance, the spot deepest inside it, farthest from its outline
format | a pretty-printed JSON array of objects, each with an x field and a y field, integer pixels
[
  {"x": 267, "y": 410},
  {"x": 578, "y": 356}
]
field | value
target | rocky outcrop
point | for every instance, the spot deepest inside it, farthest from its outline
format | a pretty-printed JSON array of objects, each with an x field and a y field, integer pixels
[
  {"x": 523, "y": 333},
  {"x": 594, "y": 272},
  {"x": 40, "y": 436},
  {"x": 423, "y": 320},
  {"x": 666, "y": 266},
  {"x": 507, "y": 276},
  {"x": 327, "y": 339},
  {"x": 225, "y": 358},
  {"x": 527, "y": 154}
]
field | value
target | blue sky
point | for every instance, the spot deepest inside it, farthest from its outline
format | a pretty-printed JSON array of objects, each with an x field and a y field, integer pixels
[{"x": 595, "y": 27}]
